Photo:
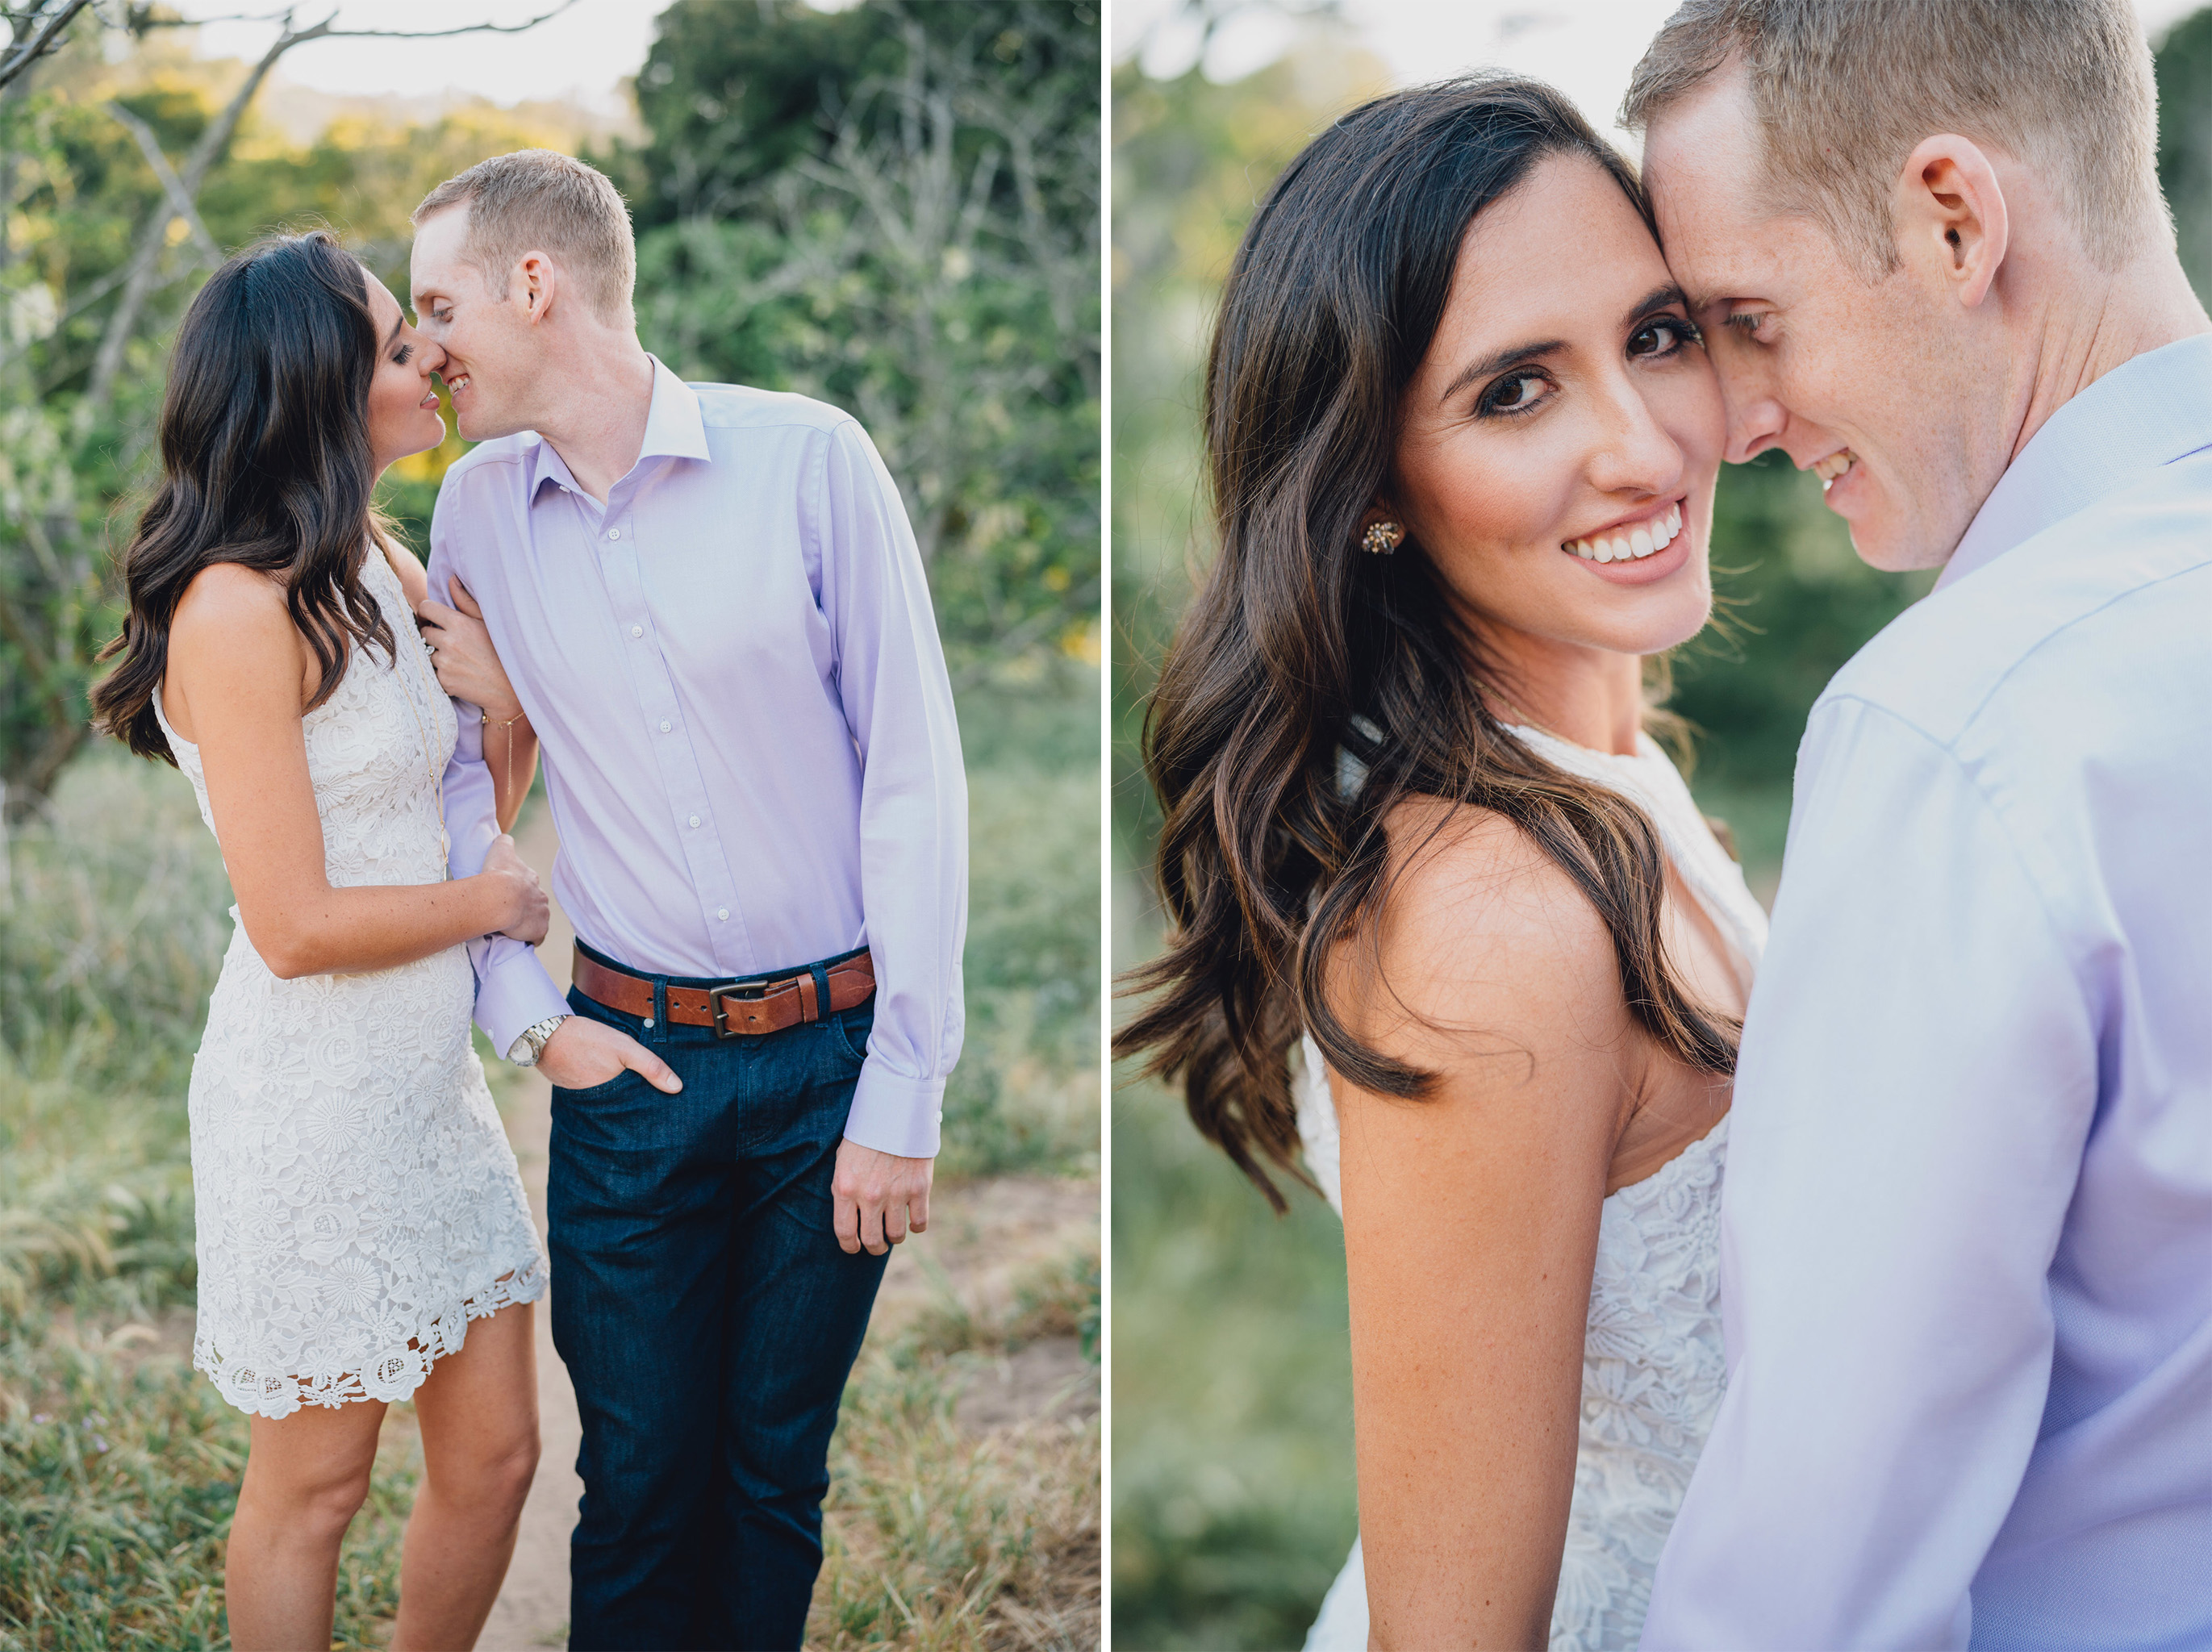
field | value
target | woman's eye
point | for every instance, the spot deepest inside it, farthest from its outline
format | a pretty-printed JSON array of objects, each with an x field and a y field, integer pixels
[
  {"x": 1663, "y": 337},
  {"x": 1517, "y": 392},
  {"x": 406, "y": 354}
]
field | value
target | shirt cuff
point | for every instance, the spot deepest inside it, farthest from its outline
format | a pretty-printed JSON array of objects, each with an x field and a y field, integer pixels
[
  {"x": 515, "y": 994},
  {"x": 893, "y": 1115}
]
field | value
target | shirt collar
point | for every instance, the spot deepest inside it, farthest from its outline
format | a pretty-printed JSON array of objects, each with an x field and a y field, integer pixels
[
  {"x": 2144, "y": 413},
  {"x": 673, "y": 429}
]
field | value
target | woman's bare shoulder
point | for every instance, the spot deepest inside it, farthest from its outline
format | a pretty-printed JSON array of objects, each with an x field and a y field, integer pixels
[
  {"x": 1478, "y": 922},
  {"x": 227, "y": 601}
]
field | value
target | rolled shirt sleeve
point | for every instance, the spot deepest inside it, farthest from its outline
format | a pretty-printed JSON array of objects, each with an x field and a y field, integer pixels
[
  {"x": 513, "y": 991},
  {"x": 1919, "y": 1076},
  {"x": 898, "y": 701}
]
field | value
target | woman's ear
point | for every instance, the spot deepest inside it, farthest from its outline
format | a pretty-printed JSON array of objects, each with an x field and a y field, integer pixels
[
  {"x": 1381, "y": 529},
  {"x": 1951, "y": 216}
]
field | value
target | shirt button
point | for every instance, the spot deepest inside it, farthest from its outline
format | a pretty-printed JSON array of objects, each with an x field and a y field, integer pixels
[
  {"x": 614, "y": 533},
  {"x": 723, "y": 913},
  {"x": 664, "y": 726},
  {"x": 695, "y": 820},
  {"x": 637, "y": 630}
]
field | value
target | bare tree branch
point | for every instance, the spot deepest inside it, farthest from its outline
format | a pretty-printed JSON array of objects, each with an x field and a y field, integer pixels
[
  {"x": 140, "y": 19},
  {"x": 142, "y": 22},
  {"x": 172, "y": 185},
  {"x": 44, "y": 40},
  {"x": 444, "y": 34},
  {"x": 153, "y": 230}
]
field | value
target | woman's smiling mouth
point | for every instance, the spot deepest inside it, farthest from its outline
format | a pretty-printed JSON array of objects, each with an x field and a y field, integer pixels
[{"x": 1631, "y": 543}]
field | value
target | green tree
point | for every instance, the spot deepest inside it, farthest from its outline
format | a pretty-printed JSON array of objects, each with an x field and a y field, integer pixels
[
  {"x": 123, "y": 182},
  {"x": 896, "y": 208}
]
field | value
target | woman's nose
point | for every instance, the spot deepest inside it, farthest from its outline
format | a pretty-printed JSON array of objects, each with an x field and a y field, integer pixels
[
  {"x": 433, "y": 358},
  {"x": 1637, "y": 454}
]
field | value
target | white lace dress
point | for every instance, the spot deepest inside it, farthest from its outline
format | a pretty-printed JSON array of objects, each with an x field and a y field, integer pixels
[
  {"x": 1652, "y": 1361},
  {"x": 357, "y": 1201}
]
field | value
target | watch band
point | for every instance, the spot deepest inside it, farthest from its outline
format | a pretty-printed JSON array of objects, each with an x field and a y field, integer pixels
[{"x": 530, "y": 1043}]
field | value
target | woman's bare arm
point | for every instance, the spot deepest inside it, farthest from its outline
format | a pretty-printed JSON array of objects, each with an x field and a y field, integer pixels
[
  {"x": 238, "y": 677},
  {"x": 1471, "y": 1223}
]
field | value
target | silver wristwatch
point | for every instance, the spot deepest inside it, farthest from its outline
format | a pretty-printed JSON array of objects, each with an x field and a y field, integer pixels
[{"x": 526, "y": 1049}]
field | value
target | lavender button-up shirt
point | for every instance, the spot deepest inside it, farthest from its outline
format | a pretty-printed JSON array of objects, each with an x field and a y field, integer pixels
[
  {"x": 1966, "y": 1257},
  {"x": 744, "y": 715}
]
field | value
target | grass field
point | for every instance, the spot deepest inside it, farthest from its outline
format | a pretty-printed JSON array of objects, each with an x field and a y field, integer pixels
[{"x": 118, "y": 1465}]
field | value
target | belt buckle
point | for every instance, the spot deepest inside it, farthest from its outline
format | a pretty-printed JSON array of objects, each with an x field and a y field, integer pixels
[{"x": 745, "y": 991}]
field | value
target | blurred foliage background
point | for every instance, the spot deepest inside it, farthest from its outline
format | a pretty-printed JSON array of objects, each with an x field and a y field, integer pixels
[
  {"x": 894, "y": 206},
  {"x": 1233, "y": 1487}
]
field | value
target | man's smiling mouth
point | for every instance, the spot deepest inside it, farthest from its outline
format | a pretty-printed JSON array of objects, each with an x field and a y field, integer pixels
[
  {"x": 1830, "y": 468},
  {"x": 457, "y": 384}
]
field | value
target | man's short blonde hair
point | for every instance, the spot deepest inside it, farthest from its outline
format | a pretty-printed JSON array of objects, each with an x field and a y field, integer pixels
[
  {"x": 537, "y": 200},
  {"x": 1844, "y": 91}
]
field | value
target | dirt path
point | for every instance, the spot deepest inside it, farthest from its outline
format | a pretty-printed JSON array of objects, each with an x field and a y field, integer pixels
[{"x": 983, "y": 1237}]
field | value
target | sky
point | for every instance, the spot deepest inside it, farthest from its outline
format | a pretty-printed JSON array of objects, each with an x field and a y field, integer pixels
[
  {"x": 584, "y": 54},
  {"x": 1585, "y": 47}
]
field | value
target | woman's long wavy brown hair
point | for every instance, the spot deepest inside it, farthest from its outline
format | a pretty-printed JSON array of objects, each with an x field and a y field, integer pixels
[
  {"x": 265, "y": 462},
  {"x": 1299, "y": 649}
]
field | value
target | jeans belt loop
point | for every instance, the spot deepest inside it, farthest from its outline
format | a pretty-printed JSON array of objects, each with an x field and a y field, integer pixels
[
  {"x": 820, "y": 974},
  {"x": 659, "y": 1027}
]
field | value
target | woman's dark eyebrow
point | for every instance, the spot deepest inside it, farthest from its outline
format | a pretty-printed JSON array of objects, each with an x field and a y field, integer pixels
[
  {"x": 1498, "y": 362},
  {"x": 1658, "y": 299}
]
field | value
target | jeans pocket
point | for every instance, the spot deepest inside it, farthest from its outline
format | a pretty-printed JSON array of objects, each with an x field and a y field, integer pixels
[
  {"x": 851, "y": 1029},
  {"x": 594, "y": 1092}
]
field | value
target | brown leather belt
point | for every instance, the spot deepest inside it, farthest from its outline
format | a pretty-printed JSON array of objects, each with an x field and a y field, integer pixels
[{"x": 742, "y": 1008}]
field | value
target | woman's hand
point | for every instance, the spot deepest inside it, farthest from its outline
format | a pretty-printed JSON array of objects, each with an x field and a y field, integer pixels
[
  {"x": 529, "y": 910},
  {"x": 461, "y": 649}
]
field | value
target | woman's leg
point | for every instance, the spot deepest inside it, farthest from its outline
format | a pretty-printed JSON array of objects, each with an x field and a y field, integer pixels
[
  {"x": 478, "y": 1411},
  {"x": 305, "y": 1477}
]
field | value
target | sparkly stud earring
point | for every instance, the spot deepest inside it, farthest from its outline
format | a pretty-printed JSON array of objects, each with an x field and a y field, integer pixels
[{"x": 1382, "y": 538}]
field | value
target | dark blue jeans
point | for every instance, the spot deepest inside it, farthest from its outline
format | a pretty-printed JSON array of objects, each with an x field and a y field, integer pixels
[{"x": 708, "y": 1320}]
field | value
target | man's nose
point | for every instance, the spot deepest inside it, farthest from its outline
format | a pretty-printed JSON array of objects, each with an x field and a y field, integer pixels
[{"x": 1756, "y": 419}]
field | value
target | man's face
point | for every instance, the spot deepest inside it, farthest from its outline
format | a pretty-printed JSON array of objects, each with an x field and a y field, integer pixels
[
  {"x": 1880, "y": 386},
  {"x": 491, "y": 355}
]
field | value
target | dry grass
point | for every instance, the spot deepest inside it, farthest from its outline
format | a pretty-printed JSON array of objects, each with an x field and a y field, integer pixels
[{"x": 942, "y": 1539}]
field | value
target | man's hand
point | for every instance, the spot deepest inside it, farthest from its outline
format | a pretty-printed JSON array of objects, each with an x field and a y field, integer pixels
[
  {"x": 583, "y": 1052},
  {"x": 531, "y": 910},
  {"x": 467, "y": 665},
  {"x": 880, "y": 1197}
]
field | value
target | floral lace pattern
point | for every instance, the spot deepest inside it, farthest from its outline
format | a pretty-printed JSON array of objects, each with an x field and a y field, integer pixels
[
  {"x": 357, "y": 1201},
  {"x": 1653, "y": 1365}
]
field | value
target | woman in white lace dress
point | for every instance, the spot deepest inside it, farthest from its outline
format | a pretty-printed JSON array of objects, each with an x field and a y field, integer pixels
[
  {"x": 358, "y": 1205},
  {"x": 1463, "y": 437}
]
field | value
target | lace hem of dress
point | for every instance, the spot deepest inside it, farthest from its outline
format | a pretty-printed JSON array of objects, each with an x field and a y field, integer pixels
[{"x": 392, "y": 1377}]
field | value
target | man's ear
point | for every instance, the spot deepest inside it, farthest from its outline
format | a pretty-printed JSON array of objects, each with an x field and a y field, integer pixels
[
  {"x": 539, "y": 279},
  {"x": 1951, "y": 215}
]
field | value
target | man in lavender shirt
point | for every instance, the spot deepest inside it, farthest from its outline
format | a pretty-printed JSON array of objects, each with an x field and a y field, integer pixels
[
  {"x": 714, "y": 616},
  {"x": 1965, "y": 1258}
]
